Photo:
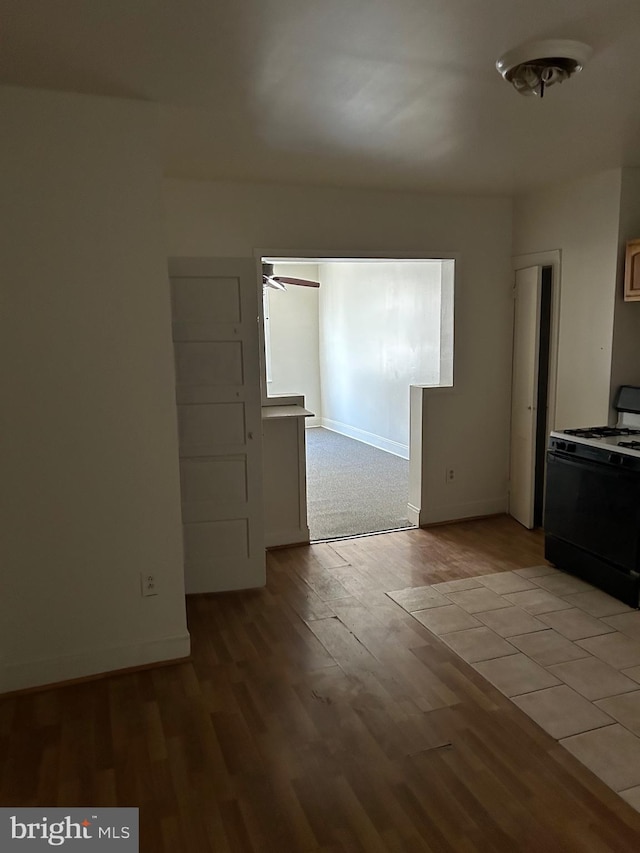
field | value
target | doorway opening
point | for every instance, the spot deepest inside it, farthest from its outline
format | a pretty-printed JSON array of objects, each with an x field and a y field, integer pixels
[
  {"x": 542, "y": 396},
  {"x": 353, "y": 346}
]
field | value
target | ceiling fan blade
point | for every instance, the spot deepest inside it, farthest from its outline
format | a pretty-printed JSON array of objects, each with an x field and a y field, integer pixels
[
  {"x": 304, "y": 282},
  {"x": 270, "y": 281}
]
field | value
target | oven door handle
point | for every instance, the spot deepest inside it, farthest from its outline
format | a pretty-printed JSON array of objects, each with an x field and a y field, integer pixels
[{"x": 606, "y": 465}]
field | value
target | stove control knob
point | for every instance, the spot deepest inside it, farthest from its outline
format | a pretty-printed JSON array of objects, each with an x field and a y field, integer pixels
[{"x": 615, "y": 459}]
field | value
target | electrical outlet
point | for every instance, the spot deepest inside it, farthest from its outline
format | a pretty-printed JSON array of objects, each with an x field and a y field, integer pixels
[
  {"x": 451, "y": 475},
  {"x": 148, "y": 584}
]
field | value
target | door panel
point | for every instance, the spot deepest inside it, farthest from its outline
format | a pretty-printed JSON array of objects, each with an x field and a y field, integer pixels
[
  {"x": 218, "y": 479},
  {"x": 215, "y": 332},
  {"x": 524, "y": 393},
  {"x": 211, "y": 428},
  {"x": 192, "y": 299},
  {"x": 210, "y": 537},
  {"x": 210, "y": 363}
]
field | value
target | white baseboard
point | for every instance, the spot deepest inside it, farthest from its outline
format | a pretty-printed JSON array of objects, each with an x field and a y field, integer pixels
[
  {"x": 413, "y": 514},
  {"x": 315, "y": 421},
  {"x": 458, "y": 512},
  {"x": 365, "y": 437},
  {"x": 20, "y": 676}
]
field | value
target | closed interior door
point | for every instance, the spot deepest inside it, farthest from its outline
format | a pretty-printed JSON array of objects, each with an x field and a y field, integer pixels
[
  {"x": 524, "y": 393},
  {"x": 215, "y": 333}
]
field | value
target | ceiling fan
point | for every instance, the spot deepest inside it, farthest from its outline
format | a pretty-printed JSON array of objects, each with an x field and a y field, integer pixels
[{"x": 279, "y": 282}]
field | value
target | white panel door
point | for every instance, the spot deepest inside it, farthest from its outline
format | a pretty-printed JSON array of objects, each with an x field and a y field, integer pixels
[
  {"x": 215, "y": 334},
  {"x": 524, "y": 392}
]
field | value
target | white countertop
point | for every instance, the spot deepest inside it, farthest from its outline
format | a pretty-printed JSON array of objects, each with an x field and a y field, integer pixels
[{"x": 273, "y": 412}]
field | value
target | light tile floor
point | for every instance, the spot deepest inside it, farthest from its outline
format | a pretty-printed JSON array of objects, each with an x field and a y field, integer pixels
[{"x": 566, "y": 654}]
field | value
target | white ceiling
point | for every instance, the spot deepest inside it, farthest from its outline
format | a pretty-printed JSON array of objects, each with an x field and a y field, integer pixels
[{"x": 374, "y": 93}]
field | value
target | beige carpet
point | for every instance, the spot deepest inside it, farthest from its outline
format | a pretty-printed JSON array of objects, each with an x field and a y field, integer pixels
[{"x": 353, "y": 488}]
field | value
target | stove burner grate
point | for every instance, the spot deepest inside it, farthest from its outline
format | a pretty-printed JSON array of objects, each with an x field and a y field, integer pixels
[
  {"x": 601, "y": 432},
  {"x": 633, "y": 445}
]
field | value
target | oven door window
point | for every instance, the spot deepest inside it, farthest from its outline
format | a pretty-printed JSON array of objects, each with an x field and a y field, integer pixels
[{"x": 595, "y": 507}]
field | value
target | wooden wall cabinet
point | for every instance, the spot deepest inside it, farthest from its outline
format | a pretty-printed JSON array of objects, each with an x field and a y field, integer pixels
[{"x": 632, "y": 272}]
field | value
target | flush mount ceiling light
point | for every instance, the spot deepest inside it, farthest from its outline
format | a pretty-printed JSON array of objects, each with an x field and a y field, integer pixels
[{"x": 533, "y": 67}]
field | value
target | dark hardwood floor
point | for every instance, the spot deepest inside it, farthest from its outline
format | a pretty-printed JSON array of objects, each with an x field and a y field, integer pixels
[{"x": 317, "y": 715}]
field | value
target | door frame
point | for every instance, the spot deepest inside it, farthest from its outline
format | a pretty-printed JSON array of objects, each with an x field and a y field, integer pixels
[{"x": 551, "y": 259}]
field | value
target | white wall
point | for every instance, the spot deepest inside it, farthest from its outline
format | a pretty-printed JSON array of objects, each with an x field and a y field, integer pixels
[
  {"x": 470, "y": 425},
  {"x": 90, "y": 469},
  {"x": 581, "y": 219},
  {"x": 295, "y": 361},
  {"x": 625, "y": 364},
  {"x": 379, "y": 333}
]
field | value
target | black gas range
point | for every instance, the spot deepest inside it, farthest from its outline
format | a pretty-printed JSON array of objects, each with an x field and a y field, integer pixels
[
  {"x": 609, "y": 445},
  {"x": 592, "y": 501}
]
